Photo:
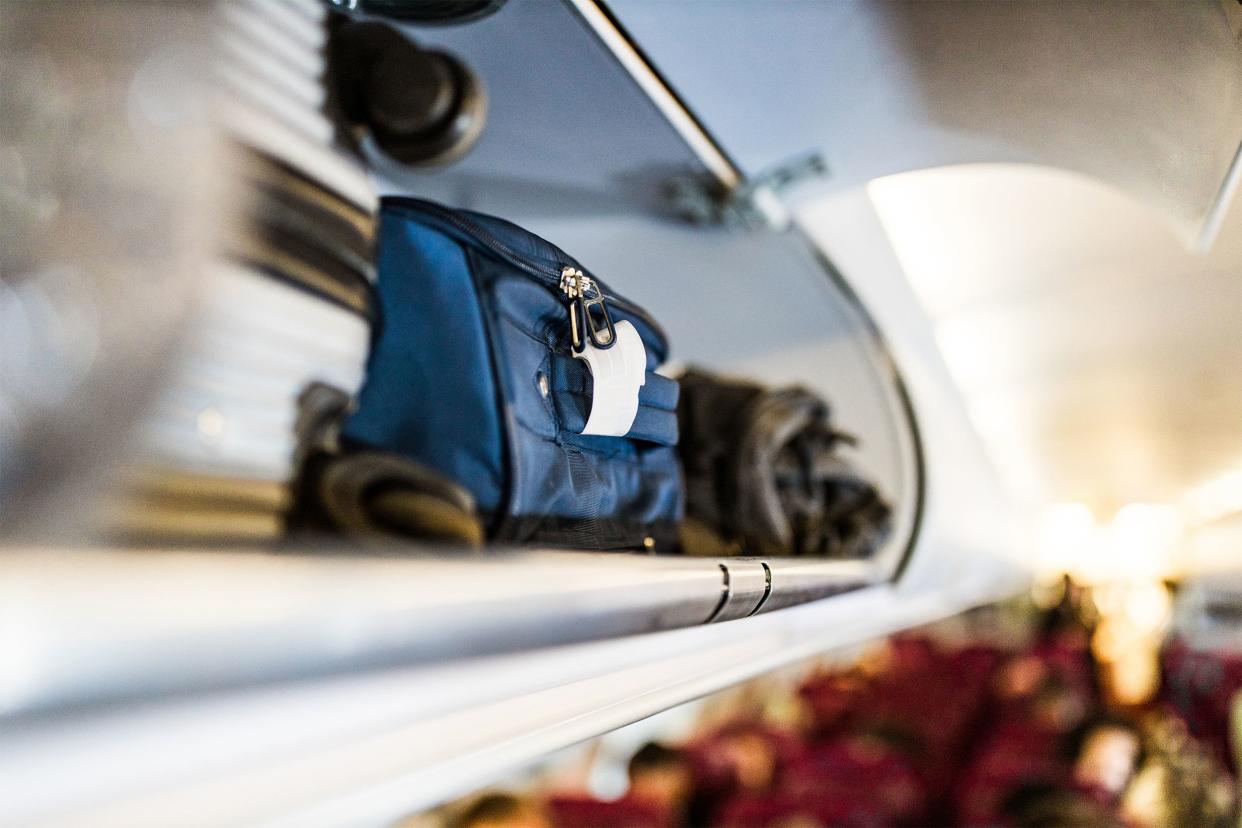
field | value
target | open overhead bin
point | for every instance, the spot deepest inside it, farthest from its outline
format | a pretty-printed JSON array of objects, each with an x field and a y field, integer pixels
[
  {"x": 586, "y": 145},
  {"x": 318, "y": 683}
]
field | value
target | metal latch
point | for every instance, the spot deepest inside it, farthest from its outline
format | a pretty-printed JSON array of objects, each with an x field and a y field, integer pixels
[{"x": 755, "y": 203}]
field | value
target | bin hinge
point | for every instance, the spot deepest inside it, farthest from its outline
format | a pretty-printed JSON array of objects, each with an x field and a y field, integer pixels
[{"x": 755, "y": 203}]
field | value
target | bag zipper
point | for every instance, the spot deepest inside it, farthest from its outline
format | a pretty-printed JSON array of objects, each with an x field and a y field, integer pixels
[{"x": 582, "y": 292}]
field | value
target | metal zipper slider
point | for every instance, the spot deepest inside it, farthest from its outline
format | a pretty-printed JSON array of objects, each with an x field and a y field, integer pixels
[
  {"x": 570, "y": 287},
  {"x": 585, "y": 322}
]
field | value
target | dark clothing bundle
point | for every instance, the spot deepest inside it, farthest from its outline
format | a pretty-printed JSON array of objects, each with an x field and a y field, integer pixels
[{"x": 765, "y": 474}]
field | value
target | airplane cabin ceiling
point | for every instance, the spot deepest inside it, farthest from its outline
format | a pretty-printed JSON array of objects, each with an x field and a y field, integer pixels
[
  {"x": 1099, "y": 358},
  {"x": 1147, "y": 96}
]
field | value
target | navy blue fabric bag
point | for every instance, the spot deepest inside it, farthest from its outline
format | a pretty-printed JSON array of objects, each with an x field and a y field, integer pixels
[{"x": 472, "y": 374}]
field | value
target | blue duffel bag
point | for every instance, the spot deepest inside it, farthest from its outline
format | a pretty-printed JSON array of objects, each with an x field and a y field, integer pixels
[{"x": 473, "y": 373}]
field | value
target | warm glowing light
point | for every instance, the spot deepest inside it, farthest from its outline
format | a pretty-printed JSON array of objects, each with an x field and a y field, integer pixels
[
  {"x": 1140, "y": 544},
  {"x": 1109, "y": 599},
  {"x": 1147, "y": 605},
  {"x": 1134, "y": 616},
  {"x": 1066, "y": 536},
  {"x": 1143, "y": 541},
  {"x": 1134, "y": 677}
]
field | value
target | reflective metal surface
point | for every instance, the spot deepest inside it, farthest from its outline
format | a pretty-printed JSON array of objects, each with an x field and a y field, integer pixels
[
  {"x": 371, "y": 746},
  {"x": 91, "y": 626}
]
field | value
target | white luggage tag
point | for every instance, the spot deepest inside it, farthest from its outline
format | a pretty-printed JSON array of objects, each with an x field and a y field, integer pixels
[{"x": 616, "y": 374}]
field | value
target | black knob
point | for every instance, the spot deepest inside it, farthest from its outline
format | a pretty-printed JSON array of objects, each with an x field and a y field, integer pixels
[
  {"x": 426, "y": 12},
  {"x": 420, "y": 106}
]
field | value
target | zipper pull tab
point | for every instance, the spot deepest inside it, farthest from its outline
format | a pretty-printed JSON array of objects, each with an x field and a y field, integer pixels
[
  {"x": 588, "y": 314},
  {"x": 570, "y": 287}
]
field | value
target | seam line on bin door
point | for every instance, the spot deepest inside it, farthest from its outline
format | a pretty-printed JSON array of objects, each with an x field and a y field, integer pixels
[
  {"x": 659, "y": 91},
  {"x": 767, "y": 588},
  {"x": 725, "y": 590}
]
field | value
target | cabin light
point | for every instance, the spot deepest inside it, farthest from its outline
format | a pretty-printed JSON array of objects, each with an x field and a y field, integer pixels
[
  {"x": 1139, "y": 544},
  {"x": 1147, "y": 605},
  {"x": 1134, "y": 676},
  {"x": 1066, "y": 535},
  {"x": 1109, "y": 599},
  {"x": 1214, "y": 499},
  {"x": 1143, "y": 541},
  {"x": 1133, "y": 618}
]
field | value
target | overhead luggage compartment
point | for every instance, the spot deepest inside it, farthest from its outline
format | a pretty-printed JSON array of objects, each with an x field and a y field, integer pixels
[{"x": 315, "y": 681}]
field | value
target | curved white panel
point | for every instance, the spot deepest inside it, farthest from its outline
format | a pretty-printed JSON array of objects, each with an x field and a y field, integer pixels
[{"x": 1147, "y": 96}]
